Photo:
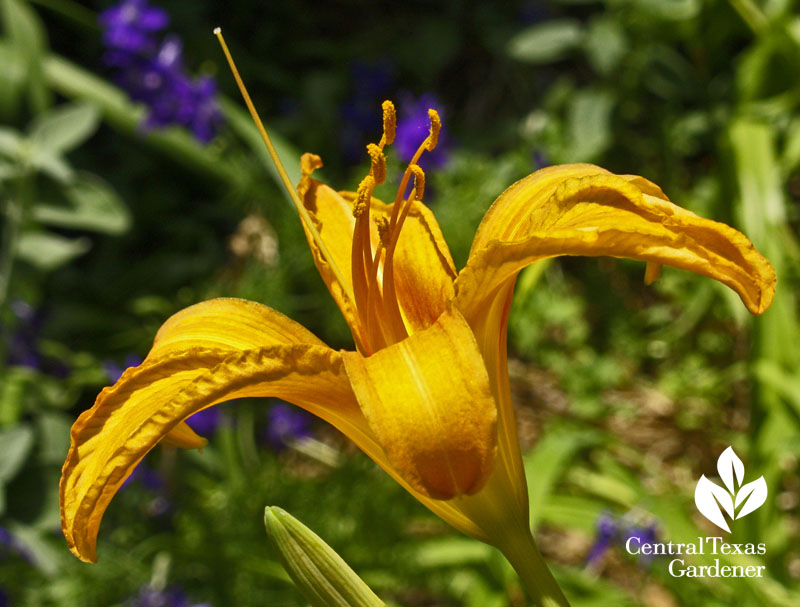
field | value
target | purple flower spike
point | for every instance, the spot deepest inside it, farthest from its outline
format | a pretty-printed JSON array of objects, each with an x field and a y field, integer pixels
[
  {"x": 4, "y": 601},
  {"x": 286, "y": 423},
  {"x": 644, "y": 535},
  {"x": 607, "y": 531},
  {"x": 206, "y": 422},
  {"x": 152, "y": 72},
  {"x": 130, "y": 25},
  {"x": 413, "y": 125},
  {"x": 114, "y": 370}
]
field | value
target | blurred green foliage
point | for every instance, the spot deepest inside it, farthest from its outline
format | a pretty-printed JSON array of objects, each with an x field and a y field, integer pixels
[{"x": 626, "y": 393}]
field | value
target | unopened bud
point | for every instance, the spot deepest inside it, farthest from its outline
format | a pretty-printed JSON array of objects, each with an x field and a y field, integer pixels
[{"x": 318, "y": 572}]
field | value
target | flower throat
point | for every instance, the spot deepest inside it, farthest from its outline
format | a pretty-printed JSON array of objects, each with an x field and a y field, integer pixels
[{"x": 371, "y": 290}]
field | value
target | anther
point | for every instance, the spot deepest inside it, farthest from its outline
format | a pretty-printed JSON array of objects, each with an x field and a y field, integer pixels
[
  {"x": 382, "y": 223},
  {"x": 419, "y": 181},
  {"x": 363, "y": 195},
  {"x": 378, "y": 169},
  {"x": 389, "y": 122},
  {"x": 436, "y": 125}
]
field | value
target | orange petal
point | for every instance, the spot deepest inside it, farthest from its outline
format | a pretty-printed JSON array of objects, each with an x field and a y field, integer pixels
[
  {"x": 584, "y": 210},
  {"x": 424, "y": 269},
  {"x": 428, "y": 401}
]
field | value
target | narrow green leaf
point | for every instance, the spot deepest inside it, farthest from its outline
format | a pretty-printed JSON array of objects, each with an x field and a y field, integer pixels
[{"x": 546, "y": 463}]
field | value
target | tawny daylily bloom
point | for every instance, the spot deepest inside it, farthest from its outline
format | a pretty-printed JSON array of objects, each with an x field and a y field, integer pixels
[{"x": 426, "y": 392}]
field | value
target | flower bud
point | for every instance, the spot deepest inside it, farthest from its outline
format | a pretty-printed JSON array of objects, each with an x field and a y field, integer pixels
[{"x": 318, "y": 572}]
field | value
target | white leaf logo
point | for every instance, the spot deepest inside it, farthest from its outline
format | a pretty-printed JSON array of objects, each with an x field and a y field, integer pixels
[{"x": 712, "y": 500}]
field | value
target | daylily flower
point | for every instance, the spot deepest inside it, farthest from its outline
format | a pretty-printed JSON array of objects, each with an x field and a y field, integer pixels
[{"x": 426, "y": 391}]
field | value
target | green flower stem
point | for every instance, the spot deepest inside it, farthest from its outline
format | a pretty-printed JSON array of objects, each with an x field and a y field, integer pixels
[{"x": 523, "y": 554}]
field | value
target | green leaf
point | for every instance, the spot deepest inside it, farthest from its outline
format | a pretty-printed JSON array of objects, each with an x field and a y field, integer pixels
[
  {"x": 15, "y": 446},
  {"x": 54, "y": 439},
  {"x": 27, "y": 34},
  {"x": 49, "y": 251},
  {"x": 589, "y": 122},
  {"x": 10, "y": 143},
  {"x": 91, "y": 205},
  {"x": 65, "y": 127},
  {"x": 51, "y": 164},
  {"x": 546, "y": 42},
  {"x": 12, "y": 79},
  {"x": 605, "y": 45}
]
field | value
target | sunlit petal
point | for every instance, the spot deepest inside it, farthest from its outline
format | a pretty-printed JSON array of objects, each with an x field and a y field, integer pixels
[
  {"x": 131, "y": 417},
  {"x": 429, "y": 403},
  {"x": 584, "y": 210}
]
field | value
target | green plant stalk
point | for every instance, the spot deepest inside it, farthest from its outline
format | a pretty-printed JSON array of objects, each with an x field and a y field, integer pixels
[
  {"x": 13, "y": 212},
  {"x": 751, "y": 14},
  {"x": 523, "y": 554}
]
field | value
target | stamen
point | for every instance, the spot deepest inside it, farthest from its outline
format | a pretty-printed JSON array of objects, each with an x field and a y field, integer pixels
[
  {"x": 378, "y": 168},
  {"x": 382, "y": 223},
  {"x": 419, "y": 181},
  {"x": 436, "y": 125},
  {"x": 389, "y": 122},
  {"x": 305, "y": 217},
  {"x": 363, "y": 196}
]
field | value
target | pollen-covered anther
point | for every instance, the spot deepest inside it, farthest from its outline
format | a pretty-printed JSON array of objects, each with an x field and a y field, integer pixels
[
  {"x": 363, "y": 195},
  {"x": 436, "y": 126},
  {"x": 419, "y": 181},
  {"x": 384, "y": 231},
  {"x": 389, "y": 122},
  {"x": 378, "y": 169}
]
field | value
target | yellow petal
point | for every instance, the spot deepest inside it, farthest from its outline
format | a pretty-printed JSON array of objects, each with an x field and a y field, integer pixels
[
  {"x": 206, "y": 354},
  {"x": 428, "y": 401},
  {"x": 424, "y": 269},
  {"x": 584, "y": 210},
  {"x": 131, "y": 417}
]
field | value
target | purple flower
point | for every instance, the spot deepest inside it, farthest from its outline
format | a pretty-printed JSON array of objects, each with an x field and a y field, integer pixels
[
  {"x": 611, "y": 531},
  {"x": 130, "y": 26},
  {"x": 114, "y": 371},
  {"x": 644, "y": 535},
  {"x": 145, "y": 475},
  {"x": 607, "y": 531},
  {"x": 205, "y": 422},
  {"x": 9, "y": 545},
  {"x": 286, "y": 423},
  {"x": 150, "y": 597},
  {"x": 152, "y": 73},
  {"x": 4, "y": 600},
  {"x": 413, "y": 124}
]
